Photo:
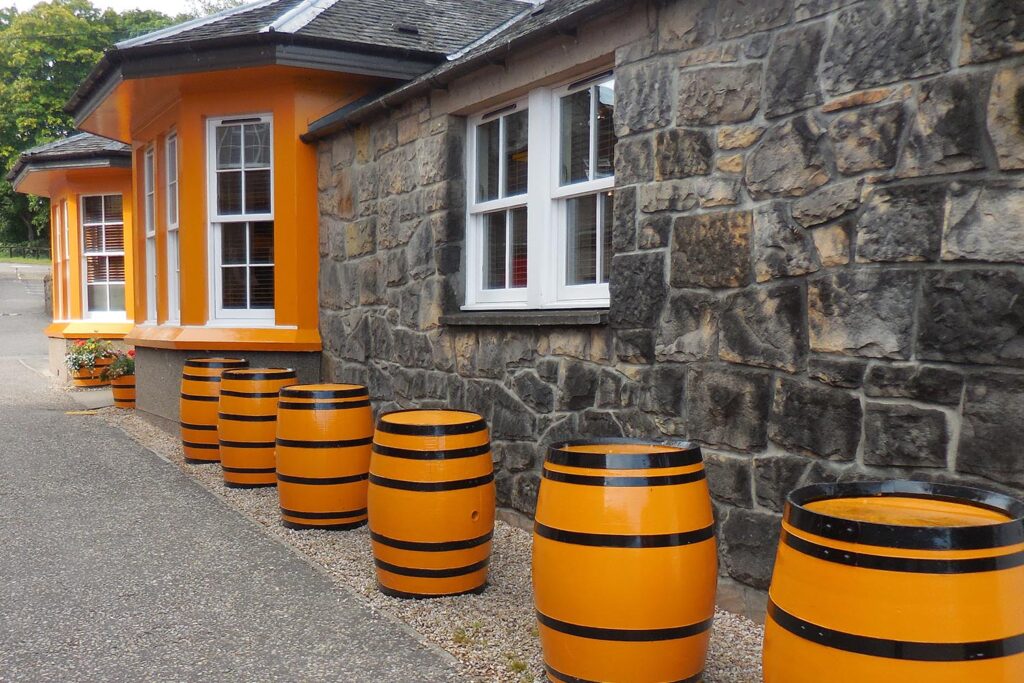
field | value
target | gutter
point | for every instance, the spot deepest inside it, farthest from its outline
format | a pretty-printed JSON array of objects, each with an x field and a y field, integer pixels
[
  {"x": 24, "y": 165},
  {"x": 349, "y": 116}
]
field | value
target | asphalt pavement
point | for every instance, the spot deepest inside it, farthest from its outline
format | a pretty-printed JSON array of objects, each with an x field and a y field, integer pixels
[{"x": 115, "y": 566}]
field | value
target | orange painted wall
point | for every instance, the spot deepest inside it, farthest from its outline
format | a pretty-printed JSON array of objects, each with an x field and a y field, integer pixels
[
  {"x": 294, "y": 99},
  {"x": 70, "y": 186}
]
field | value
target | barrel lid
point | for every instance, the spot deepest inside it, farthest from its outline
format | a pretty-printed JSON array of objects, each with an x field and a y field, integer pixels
[
  {"x": 623, "y": 454},
  {"x": 322, "y": 391},
  {"x": 259, "y": 373},
  {"x": 801, "y": 514},
  {"x": 430, "y": 422},
  {"x": 216, "y": 363}
]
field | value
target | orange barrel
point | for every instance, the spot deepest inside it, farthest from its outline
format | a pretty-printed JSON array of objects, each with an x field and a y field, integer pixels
[
  {"x": 200, "y": 391},
  {"x": 84, "y": 377},
  {"x": 247, "y": 424},
  {"x": 624, "y": 561},
  {"x": 123, "y": 388},
  {"x": 324, "y": 432},
  {"x": 431, "y": 502},
  {"x": 897, "y": 582}
]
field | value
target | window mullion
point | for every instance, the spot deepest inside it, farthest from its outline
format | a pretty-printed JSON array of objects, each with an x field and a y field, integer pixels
[{"x": 592, "y": 166}]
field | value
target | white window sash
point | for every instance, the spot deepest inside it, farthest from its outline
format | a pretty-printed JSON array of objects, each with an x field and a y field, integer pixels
[
  {"x": 149, "y": 228},
  {"x": 116, "y": 315},
  {"x": 249, "y": 317},
  {"x": 173, "y": 241}
]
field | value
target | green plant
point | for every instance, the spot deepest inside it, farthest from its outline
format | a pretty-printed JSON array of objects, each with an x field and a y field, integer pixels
[
  {"x": 85, "y": 352},
  {"x": 123, "y": 365},
  {"x": 515, "y": 664}
]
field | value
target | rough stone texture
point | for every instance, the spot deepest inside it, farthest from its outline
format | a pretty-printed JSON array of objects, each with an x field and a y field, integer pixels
[
  {"x": 992, "y": 429},
  {"x": 727, "y": 407},
  {"x": 750, "y": 538},
  {"x": 946, "y": 136},
  {"x": 765, "y": 328},
  {"x": 879, "y": 43},
  {"x": 788, "y": 161},
  {"x": 720, "y": 94},
  {"x": 991, "y": 29},
  {"x": 781, "y": 248},
  {"x": 1006, "y": 116},
  {"x": 816, "y": 212},
  {"x": 739, "y": 17},
  {"x": 711, "y": 250},
  {"x": 815, "y": 419},
  {"x": 972, "y": 316},
  {"x": 791, "y": 77},
  {"x": 985, "y": 223},
  {"x": 867, "y": 139},
  {"x": 904, "y": 436},
  {"x": 901, "y": 223},
  {"x": 861, "y": 313},
  {"x": 926, "y": 383}
]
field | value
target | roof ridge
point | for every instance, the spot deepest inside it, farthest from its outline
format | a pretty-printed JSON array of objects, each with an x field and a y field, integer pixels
[
  {"x": 192, "y": 23},
  {"x": 298, "y": 17}
]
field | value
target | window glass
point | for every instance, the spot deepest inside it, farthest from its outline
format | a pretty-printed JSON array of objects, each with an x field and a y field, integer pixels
[
  {"x": 607, "y": 201},
  {"x": 517, "y": 278},
  {"x": 575, "y": 137},
  {"x": 172, "y": 181},
  {"x": 257, "y": 191},
  {"x": 261, "y": 287},
  {"x": 488, "y": 136},
  {"x": 247, "y": 268},
  {"x": 103, "y": 248},
  {"x": 229, "y": 193},
  {"x": 516, "y": 152},
  {"x": 581, "y": 241},
  {"x": 229, "y": 147},
  {"x": 233, "y": 287},
  {"x": 257, "y": 144},
  {"x": 495, "y": 250},
  {"x": 262, "y": 247},
  {"x": 605, "y": 130},
  {"x": 92, "y": 209},
  {"x": 233, "y": 246}
]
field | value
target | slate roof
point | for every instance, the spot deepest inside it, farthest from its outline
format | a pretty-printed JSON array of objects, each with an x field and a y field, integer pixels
[
  {"x": 426, "y": 26},
  {"x": 81, "y": 146},
  {"x": 531, "y": 24}
]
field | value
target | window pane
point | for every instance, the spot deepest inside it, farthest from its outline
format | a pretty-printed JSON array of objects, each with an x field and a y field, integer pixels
[
  {"x": 232, "y": 243},
  {"x": 97, "y": 297},
  {"x": 606, "y": 235},
  {"x": 92, "y": 210},
  {"x": 581, "y": 241},
  {"x": 229, "y": 193},
  {"x": 487, "y": 136},
  {"x": 113, "y": 237},
  {"x": 233, "y": 287},
  {"x": 261, "y": 286},
  {"x": 516, "y": 152},
  {"x": 494, "y": 250},
  {"x": 575, "y": 135},
  {"x": 519, "y": 261},
  {"x": 95, "y": 269},
  {"x": 172, "y": 159},
  {"x": 113, "y": 209},
  {"x": 172, "y": 203},
  {"x": 261, "y": 246},
  {"x": 147, "y": 172},
  {"x": 257, "y": 191},
  {"x": 257, "y": 144},
  {"x": 605, "y": 130},
  {"x": 115, "y": 268},
  {"x": 116, "y": 297},
  {"x": 93, "y": 237},
  {"x": 229, "y": 146}
]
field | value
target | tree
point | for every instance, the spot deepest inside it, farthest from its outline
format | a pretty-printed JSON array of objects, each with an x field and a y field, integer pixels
[{"x": 45, "y": 53}]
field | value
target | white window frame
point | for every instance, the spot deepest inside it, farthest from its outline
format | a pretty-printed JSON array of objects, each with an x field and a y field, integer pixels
[
  {"x": 248, "y": 317},
  {"x": 149, "y": 228},
  {"x": 118, "y": 315},
  {"x": 62, "y": 284},
  {"x": 546, "y": 202},
  {"x": 173, "y": 219}
]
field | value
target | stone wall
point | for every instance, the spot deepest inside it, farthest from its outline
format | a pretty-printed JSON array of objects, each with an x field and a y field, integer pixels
[{"x": 819, "y": 236}]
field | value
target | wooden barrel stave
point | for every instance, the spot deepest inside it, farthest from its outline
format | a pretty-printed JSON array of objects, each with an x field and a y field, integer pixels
[
  {"x": 200, "y": 390},
  {"x": 247, "y": 424},
  {"x": 634, "y": 530},
  {"x": 123, "y": 389},
  {"x": 431, "y": 500},
  {"x": 84, "y": 377},
  {"x": 911, "y": 605},
  {"x": 323, "y": 454}
]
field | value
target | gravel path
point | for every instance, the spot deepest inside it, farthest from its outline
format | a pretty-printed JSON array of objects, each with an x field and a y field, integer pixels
[{"x": 493, "y": 636}]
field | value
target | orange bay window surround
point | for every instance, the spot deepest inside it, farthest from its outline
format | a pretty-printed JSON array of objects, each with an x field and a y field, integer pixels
[
  {"x": 88, "y": 181},
  {"x": 225, "y": 188}
]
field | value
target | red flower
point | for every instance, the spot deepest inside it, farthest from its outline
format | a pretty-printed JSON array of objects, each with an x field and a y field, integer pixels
[
  {"x": 80, "y": 342},
  {"x": 131, "y": 353}
]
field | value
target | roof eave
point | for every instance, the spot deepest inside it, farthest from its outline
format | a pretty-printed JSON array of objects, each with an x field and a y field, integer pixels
[
  {"x": 334, "y": 122},
  {"x": 25, "y": 165}
]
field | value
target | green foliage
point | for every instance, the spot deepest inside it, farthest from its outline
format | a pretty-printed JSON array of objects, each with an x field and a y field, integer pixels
[
  {"x": 45, "y": 53},
  {"x": 122, "y": 365}
]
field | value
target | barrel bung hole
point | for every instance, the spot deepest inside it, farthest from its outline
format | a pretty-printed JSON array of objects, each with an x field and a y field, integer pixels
[{"x": 475, "y": 515}]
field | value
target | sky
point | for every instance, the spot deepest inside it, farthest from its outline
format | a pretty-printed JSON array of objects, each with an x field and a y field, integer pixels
[{"x": 170, "y": 7}]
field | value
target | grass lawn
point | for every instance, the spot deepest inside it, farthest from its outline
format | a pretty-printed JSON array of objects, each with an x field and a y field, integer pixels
[{"x": 26, "y": 260}]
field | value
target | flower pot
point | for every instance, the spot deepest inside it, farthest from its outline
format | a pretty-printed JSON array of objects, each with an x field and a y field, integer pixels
[
  {"x": 124, "y": 391},
  {"x": 84, "y": 377}
]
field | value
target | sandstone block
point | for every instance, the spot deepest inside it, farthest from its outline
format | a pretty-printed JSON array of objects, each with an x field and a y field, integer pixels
[
  {"x": 727, "y": 407},
  {"x": 788, "y": 161},
  {"x": 720, "y": 94},
  {"x": 711, "y": 250},
  {"x": 765, "y": 328},
  {"x": 812, "y": 418}
]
